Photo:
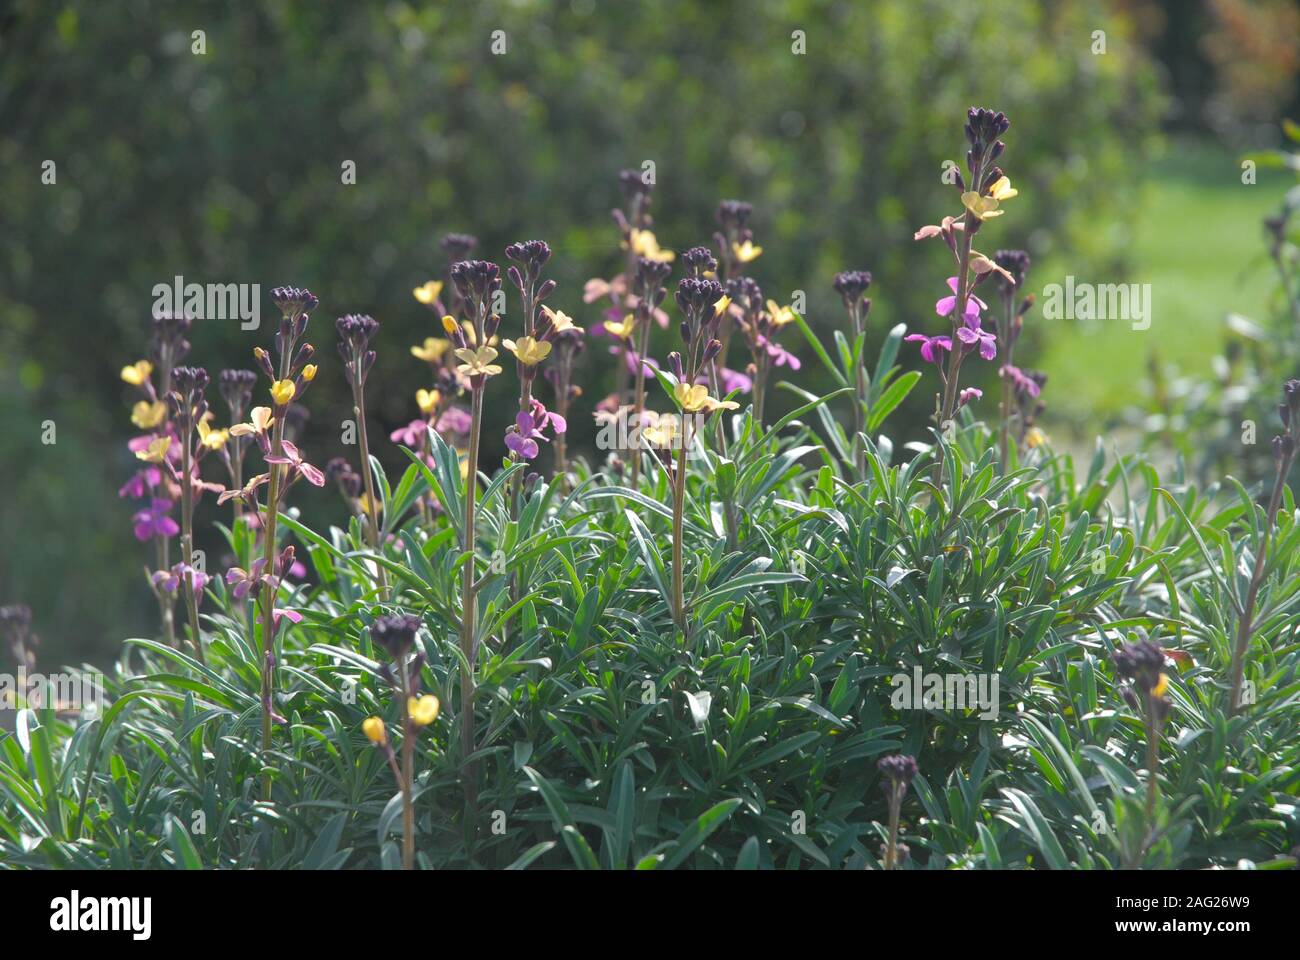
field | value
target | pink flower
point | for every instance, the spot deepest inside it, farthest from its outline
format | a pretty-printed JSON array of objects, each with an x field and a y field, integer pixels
[
  {"x": 972, "y": 336},
  {"x": 945, "y": 305},
  {"x": 930, "y": 346},
  {"x": 294, "y": 459}
]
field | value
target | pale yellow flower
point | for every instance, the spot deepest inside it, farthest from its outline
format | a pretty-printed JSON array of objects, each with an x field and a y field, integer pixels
[
  {"x": 428, "y": 292},
  {"x": 427, "y": 400},
  {"x": 644, "y": 244},
  {"x": 528, "y": 351},
  {"x": 780, "y": 315},
  {"x": 146, "y": 415},
  {"x": 745, "y": 252},
  {"x": 156, "y": 451},
  {"x": 621, "y": 328},
  {"x": 259, "y": 421},
  {"x": 433, "y": 350},
  {"x": 137, "y": 373},
  {"x": 212, "y": 439},
  {"x": 477, "y": 362},
  {"x": 560, "y": 321}
]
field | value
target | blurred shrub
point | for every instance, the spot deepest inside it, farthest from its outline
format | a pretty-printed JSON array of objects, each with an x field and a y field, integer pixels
[{"x": 225, "y": 167}]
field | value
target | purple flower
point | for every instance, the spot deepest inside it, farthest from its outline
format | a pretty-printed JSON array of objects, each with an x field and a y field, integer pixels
[
  {"x": 170, "y": 580},
  {"x": 635, "y": 364},
  {"x": 973, "y": 336},
  {"x": 544, "y": 418},
  {"x": 930, "y": 346},
  {"x": 242, "y": 581},
  {"x": 1019, "y": 381},
  {"x": 945, "y": 305},
  {"x": 967, "y": 395},
  {"x": 728, "y": 381},
  {"x": 155, "y": 522},
  {"x": 138, "y": 487},
  {"x": 520, "y": 440}
]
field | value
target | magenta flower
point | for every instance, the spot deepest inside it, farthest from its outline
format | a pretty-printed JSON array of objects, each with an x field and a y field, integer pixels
[
  {"x": 930, "y": 346},
  {"x": 945, "y": 305},
  {"x": 973, "y": 336},
  {"x": 545, "y": 418},
  {"x": 728, "y": 381},
  {"x": 1019, "y": 381},
  {"x": 294, "y": 459},
  {"x": 155, "y": 521},
  {"x": 967, "y": 395},
  {"x": 141, "y": 482}
]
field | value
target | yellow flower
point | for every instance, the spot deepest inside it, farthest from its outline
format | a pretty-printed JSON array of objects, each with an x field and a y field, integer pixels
[
  {"x": 560, "y": 321},
  {"x": 1159, "y": 689},
  {"x": 309, "y": 373},
  {"x": 1002, "y": 189},
  {"x": 157, "y": 450},
  {"x": 282, "y": 391},
  {"x": 428, "y": 292},
  {"x": 146, "y": 415},
  {"x": 780, "y": 315},
  {"x": 137, "y": 373},
  {"x": 982, "y": 208},
  {"x": 745, "y": 252},
  {"x": 374, "y": 729},
  {"x": 449, "y": 324},
  {"x": 720, "y": 307},
  {"x": 427, "y": 400},
  {"x": 463, "y": 454},
  {"x": 663, "y": 432},
  {"x": 621, "y": 328},
  {"x": 691, "y": 397},
  {"x": 434, "y": 349},
  {"x": 423, "y": 710},
  {"x": 367, "y": 507},
  {"x": 1034, "y": 438},
  {"x": 212, "y": 439},
  {"x": 644, "y": 244},
  {"x": 529, "y": 351},
  {"x": 477, "y": 362},
  {"x": 259, "y": 421}
]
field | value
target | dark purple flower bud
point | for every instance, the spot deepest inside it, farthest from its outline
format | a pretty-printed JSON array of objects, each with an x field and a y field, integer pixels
[
  {"x": 236, "y": 388},
  {"x": 545, "y": 290},
  {"x": 898, "y": 770},
  {"x": 1141, "y": 663},
  {"x": 458, "y": 246},
  {"x": 699, "y": 261},
  {"x": 734, "y": 215},
  {"x": 476, "y": 279},
  {"x": 396, "y": 632},
  {"x": 532, "y": 254},
  {"x": 711, "y": 350},
  {"x": 851, "y": 285},
  {"x": 292, "y": 301},
  {"x": 634, "y": 184},
  {"x": 675, "y": 364},
  {"x": 1014, "y": 262}
]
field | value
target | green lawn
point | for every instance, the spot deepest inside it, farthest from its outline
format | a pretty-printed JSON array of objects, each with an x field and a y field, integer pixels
[{"x": 1199, "y": 242}]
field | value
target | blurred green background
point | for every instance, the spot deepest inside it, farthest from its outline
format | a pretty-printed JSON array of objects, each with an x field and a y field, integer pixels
[{"x": 224, "y": 167}]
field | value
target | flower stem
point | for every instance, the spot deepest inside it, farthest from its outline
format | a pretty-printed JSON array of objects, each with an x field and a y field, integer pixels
[
  {"x": 469, "y": 601},
  {"x": 1246, "y": 621}
]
